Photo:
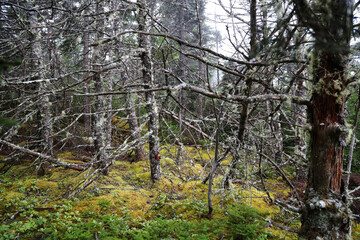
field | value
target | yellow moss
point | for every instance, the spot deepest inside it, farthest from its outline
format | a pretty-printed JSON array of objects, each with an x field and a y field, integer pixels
[
  {"x": 126, "y": 183},
  {"x": 120, "y": 123},
  {"x": 191, "y": 170},
  {"x": 208, "y": 155},
  {"x": 277, "y": 186},
  {"x": 355, "y": 230},
  {"x": 121, "y": 165},
  {"x": 192, "y": 152},
  {"x": 118, "y": 179},
  {"x": 12, "y": 195},
  {"x": 164, "y": 151},
  {"x": 257, "y": 199},
  {"x": 69, "y": 157},
  {"x": 194, "y": 187},
  {"x": 167, "y": 162},
  {"x": 137, "y": 201},
  {"x": 41, "y": 184},
  {"x": 225, "y": 163},
  {"x": 142, "y": 178},
  {"x": 165, "y": 185},
  {"x": 281, "y": 234}
]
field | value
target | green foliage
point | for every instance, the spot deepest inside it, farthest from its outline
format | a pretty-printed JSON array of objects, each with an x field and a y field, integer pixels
[
  {"x": 104, "y": 205},
  {"x": 63, "y": 221},
  {"x": 5, "y": 65},
  {"x": 175, "y": 229},
  {"x": 7, "y": 122},
  {"x": 244, "y": 222}
]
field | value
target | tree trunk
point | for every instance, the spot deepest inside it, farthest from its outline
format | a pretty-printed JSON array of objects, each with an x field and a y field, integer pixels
[
  {"x": 326, "y": 215},
  {"x": 44, "y": 102},
  {"x": 100, "y": 103},
  {"x": 182, "y": 74},
  {"x": 87, "y": 106},
  {"x": 151, "y": 106},
  {"x": 133, "y": 125},
  {"x": 300, "y": 135}
]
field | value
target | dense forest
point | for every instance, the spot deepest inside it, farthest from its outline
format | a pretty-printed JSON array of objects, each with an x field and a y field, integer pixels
[{"x": 186, "y": 119}]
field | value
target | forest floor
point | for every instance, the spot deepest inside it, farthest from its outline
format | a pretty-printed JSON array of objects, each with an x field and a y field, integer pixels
[{"x": 126, "y": 204}]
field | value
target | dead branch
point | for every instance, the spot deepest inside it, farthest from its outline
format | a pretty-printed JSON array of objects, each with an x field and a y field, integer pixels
[{"x": 57, "y": 162}]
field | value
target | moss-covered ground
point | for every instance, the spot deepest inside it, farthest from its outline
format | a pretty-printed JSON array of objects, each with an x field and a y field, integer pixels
[{"x": 126, "y": 204}]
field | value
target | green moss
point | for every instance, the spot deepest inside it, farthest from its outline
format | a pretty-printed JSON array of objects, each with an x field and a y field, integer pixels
[
  {"x": 355, "y": 230},
  {"x": 142, "y": 178},
  {"x": 167, "y": 162},
  {"x": 12, "y": 195},
  {"x": 128, "y": 188}
]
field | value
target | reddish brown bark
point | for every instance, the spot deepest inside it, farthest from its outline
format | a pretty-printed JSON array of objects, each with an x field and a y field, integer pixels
[
  {"x": 327, "y": 126},
  {"x": 326, "y": 214}
]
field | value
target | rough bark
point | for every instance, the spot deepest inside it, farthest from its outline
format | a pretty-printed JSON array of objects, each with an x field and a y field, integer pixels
[
  {"x": 100, "y": 103},
  {"x": 41, "y": 65},
  {"x": 300, "y": 144},
  {"x": 326, "y": 215},
  {"x": 202, "y": 68},
  {"x": 151, "y": 104},
  {"x": 87, "y": 107},
  {"x": 134, "y": 125},
  {"x": 182, "y": 75}
]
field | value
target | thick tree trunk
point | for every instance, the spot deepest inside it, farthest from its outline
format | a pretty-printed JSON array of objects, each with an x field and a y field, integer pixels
[
  {"x": 151, "y": 106},
  {"x": 326, "y": 215}
]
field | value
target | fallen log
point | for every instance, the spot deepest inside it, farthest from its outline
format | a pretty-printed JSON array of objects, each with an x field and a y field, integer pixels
[{"x": 57, "y": 162}]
